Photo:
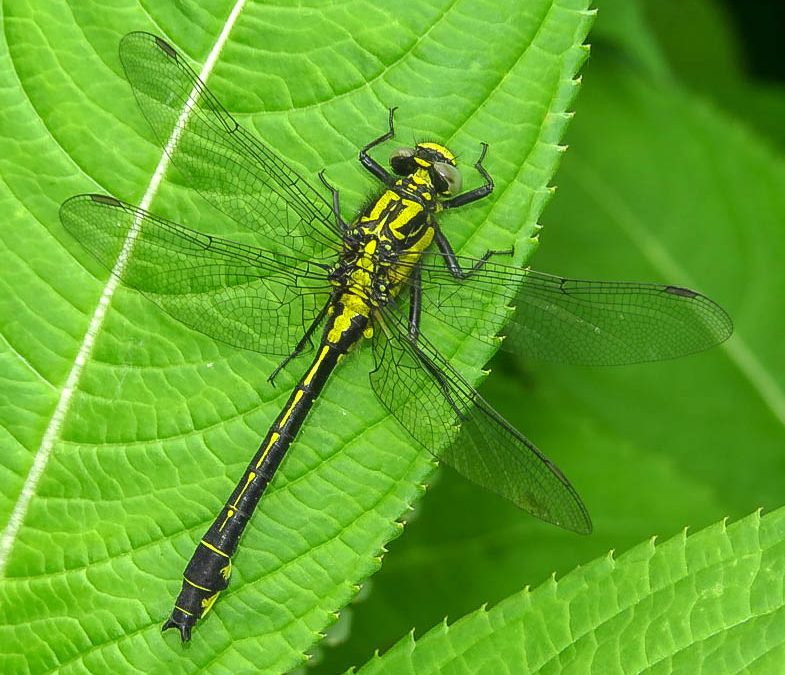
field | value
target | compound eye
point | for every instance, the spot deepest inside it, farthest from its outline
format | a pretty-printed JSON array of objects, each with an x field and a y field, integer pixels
[
  {"x": 402, "y": 161},
  {"x": 451, "y": 177}
]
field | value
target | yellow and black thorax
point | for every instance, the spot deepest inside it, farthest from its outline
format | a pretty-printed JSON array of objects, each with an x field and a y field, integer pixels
[{"x": 384, "y": 243}]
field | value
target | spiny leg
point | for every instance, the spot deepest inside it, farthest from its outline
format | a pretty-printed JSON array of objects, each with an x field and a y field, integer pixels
[
  {"x": 369, "y": 162},
  {"x": 336, "y": 207},
  {"x": 477, "y": 193},
  {"x": 415, "y": 299},
  {"x": 415, "y": 303},
  {"x": 304, "y": 341},
  {"x": 451, "y": 260},
  {"x": 443, "y": 244}
]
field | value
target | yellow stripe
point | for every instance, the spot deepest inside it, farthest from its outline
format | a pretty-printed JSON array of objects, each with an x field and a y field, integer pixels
[
  {"x": 366, "y": 263},
  {"x": 248, "y": 481},
  {"x": 229, "y": 515},
  {"x": 207, "y": 544},
  {"x": 423, "y": 242},
  {"x": 184, "y": 611},
  {"x": 400, "y": 272},
  {"x": 207, "y": 603},
  {"x": 273, "y": 438},
  {"x": 296, "y": 400},
  {"x": 201, "y": 588},
  {"x": 307, "y": 379},
  {"x": 439, "y": 148},
  {"x": 360, "y": 282},
  {"x": 341, "y": 324},
  {"x": 356, "y": 305},
  {"x": 411, "y": 210},
  {"x": 382, "y": 204}
]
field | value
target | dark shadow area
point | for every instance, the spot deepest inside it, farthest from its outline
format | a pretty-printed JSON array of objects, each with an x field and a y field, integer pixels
[{"x": 760, "y": 27}]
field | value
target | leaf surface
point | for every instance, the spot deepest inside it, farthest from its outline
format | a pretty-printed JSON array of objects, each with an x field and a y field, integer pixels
[{"x": 710, "y": 602}]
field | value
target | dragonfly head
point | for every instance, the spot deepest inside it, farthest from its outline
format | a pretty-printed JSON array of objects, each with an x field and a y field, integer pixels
[{"x": 431, "y": 159}]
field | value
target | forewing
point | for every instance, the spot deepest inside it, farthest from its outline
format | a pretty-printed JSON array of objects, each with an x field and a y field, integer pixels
[
  {"x": 446, "y": 415},
  {"x": 572, "y": 321},
  {"x": 227, "y": 165},
  {"x": 234, "y": 293}
]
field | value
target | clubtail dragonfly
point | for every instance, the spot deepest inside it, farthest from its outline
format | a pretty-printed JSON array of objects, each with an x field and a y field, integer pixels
[{"x": 316, "y": 276}]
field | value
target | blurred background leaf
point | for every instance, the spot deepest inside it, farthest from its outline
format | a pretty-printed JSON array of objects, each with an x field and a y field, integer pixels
[
  {"x": 670, "y": 176},
  {"x": 710, "y": 602}
]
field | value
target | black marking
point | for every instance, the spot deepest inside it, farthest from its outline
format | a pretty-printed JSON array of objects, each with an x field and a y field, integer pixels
[
  {"x": 166, "y": 48},
  {"x": 106, "y": 199},
  {"x": 682, "y": 292}
]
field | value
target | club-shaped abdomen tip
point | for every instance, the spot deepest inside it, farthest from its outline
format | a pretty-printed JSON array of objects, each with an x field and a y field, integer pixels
[{"x": 182, "y": 624}]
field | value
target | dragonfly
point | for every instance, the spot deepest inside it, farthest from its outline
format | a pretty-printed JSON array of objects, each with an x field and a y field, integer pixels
[{"x": 319, "y": 284}]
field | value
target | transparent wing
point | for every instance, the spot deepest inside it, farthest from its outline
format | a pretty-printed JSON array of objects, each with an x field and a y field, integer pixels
[
  {"x": 221, "y": 160},
  {"x": 238, "y": 294},
  {"x": 572, "y": 321},
  {"x": 445, "y": 414}
]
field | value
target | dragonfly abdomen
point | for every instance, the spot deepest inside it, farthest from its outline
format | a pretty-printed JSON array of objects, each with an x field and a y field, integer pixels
[{"x": 208, "y": 571}]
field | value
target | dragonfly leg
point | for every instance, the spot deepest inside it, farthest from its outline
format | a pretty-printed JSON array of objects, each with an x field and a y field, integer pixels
[
  {"x": 369, "y": 162},
  {"x": 437, "y": 374},
  {"x": 340, "y": 222},
  {"x": 477, "y": 193},
  {"x": 305, "y": 341},
  {"x": 415, "y": 303},
  {"x": 451, "y": 260},
  {"x": 415, "y": 295}
]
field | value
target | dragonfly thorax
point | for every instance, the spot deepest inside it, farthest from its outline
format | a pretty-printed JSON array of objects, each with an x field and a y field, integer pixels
[{"x": 366, "y": 268}]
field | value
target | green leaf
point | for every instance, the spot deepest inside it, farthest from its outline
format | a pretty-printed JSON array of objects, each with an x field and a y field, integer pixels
[
  {"x": 120, "y": 448},
  {"x": 622, "y": 25},
  {"x": 710, "y": 602},
  {"x": 657, "y": 185},
  {"x": 700, "y": 43},
  {"x": 681, "y": 192},
  {"x": 697, "y": 40},
  {"x": 697, "y": 45}
]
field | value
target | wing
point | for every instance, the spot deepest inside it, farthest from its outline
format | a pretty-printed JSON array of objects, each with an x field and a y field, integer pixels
[
  {"x": 221, "y": 160},
  {"x": 238, "y": 294},
  {"x": 445, "y": 414},
  {"x": 572, "y": 321}
]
